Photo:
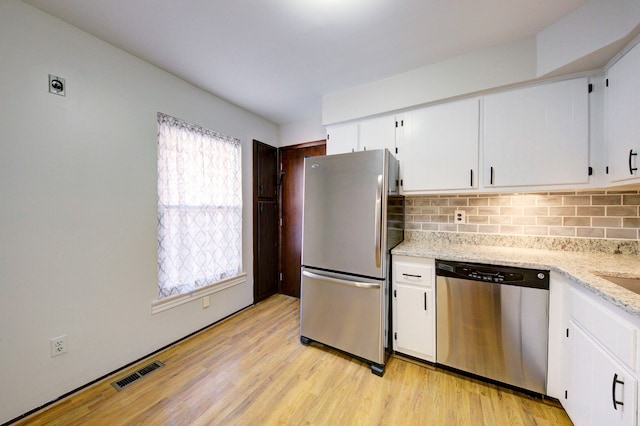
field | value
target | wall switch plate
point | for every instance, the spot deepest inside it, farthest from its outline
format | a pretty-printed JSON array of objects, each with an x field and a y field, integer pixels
[
  {"x": 58, "y": 345},
  {"x": 459, "y": 216},
  {"x": 205, "y": 302}
]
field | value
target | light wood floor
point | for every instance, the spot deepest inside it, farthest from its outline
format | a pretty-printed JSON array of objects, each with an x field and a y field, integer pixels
[{"x": 251, "y": 370}]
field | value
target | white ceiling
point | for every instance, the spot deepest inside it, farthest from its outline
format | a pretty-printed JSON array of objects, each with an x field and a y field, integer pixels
[{"x": 277, "y": 58}]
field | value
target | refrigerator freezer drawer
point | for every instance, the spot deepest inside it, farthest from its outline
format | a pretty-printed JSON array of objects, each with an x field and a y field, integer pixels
[{"x": 344, "y": 314}]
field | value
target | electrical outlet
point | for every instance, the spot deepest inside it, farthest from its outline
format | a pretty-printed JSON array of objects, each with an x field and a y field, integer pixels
[
  {"x": 459, "y": 216},
  {"x": 58, "y": 345},
  {"x": 205, "y": 302}
]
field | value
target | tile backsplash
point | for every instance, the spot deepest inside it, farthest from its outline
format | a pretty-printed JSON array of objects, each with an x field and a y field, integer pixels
[{"x": 602, "y": 214}]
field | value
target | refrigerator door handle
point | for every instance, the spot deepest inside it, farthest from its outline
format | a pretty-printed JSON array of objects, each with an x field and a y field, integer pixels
[
  {"x": 339, "y": 281},
  {"x": 378, "y": 220}
]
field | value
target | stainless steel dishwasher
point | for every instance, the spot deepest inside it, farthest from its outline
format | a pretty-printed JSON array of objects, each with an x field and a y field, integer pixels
[{"x": 493, "y": 321}]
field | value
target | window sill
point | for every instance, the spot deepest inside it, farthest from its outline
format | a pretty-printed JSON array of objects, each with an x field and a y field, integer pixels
[{"x": 181, "y": 299}]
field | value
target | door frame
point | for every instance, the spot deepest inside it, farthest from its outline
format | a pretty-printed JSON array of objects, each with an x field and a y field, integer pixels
[{"x": 280, "y": 201}]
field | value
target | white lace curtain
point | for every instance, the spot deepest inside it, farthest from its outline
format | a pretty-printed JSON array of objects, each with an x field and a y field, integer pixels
[{"x": 199, "y": 207}]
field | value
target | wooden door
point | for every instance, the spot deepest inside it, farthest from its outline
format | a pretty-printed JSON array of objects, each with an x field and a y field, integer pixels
[
  {"x": 291, "y": 170},
  {"x": 266, "y": 171},
  {"x": 266, "y": 274},
  {"x": 265, "y": 221}
]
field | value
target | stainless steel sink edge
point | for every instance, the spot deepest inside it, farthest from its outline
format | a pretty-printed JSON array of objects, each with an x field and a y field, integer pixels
[{"x": 631, "y": 283}]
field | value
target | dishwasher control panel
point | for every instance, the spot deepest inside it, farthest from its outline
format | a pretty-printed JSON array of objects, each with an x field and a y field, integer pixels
[
  {"x": 494, "y": 274},
  {"x": 496, "y": 277}
]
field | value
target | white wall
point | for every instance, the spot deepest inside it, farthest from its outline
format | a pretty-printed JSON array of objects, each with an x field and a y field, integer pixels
[
  {"x": 597, "y": 30},
  {"x": 582, "y": 41},
  {"x": 474, "y": 72},
  {"x": 309, "y": 130},
  {"x": 78, "y": 206}
]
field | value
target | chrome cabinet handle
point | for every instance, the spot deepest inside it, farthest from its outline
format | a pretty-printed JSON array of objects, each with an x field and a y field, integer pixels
[
  {"x": 632, "y": 154},
  {"x": 613, "y": 391}
]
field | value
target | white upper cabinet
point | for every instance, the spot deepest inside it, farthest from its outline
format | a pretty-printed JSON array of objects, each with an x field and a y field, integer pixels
[
  {"x": 537, "y": 136},
  {"x": 378, "y": 133},
  {"x": 342, "y": 138},
  {"x": 622, "y": 118},
  {"x": 367, "y": 135},
  {"x": 439, "y": 148}
]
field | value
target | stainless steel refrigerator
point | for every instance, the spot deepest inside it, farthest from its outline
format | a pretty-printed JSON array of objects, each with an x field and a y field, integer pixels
[{"x": 353, "y": 216}]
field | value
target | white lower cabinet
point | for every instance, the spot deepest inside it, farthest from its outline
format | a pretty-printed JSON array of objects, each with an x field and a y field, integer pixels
[
  {"x": 594, "y": 363},
  {"x": 599, "y": 363},
  {"x": 413, "y": 306},
  {"x": 599, "y": 390}
]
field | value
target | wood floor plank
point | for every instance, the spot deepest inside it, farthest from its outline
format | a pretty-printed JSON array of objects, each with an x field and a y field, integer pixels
[{"x": 251, "y": 369}]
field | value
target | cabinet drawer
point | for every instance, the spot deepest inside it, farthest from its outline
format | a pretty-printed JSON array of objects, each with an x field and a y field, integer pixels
[
  {"x": 413, "y": 273},
  {"x": 615, "y": 334}
]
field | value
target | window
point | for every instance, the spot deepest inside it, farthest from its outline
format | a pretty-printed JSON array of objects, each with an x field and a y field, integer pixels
[{"x": 199, "y": 207}]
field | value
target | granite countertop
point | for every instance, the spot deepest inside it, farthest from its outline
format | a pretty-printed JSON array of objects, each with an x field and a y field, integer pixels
[{"x": 578, "y": 266}]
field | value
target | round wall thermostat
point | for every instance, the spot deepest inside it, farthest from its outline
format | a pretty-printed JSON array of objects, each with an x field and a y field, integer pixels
[{"x": 56, "y": 85}]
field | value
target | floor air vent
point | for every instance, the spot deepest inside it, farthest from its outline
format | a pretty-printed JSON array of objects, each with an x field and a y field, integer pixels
[{"x": 126, "y": 381}]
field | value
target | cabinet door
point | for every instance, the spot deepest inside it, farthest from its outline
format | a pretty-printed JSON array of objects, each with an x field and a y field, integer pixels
[
  {"x": 537, "y": 135},
  {"x": 266, "y": 274},
  {"x": 622, "y": 112},
  {"x": 342, "y": 138},
  {"x": 439, "y": 148},
  {"x": 378, "y": 133},
  {"x": 599, "y": 390},
  {"x": 415, "y": 329},
  {"x": 267, "y": 164}
]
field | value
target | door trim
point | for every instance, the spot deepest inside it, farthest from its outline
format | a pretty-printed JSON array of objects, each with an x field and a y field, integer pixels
[{"x": 311, "y": 144}]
